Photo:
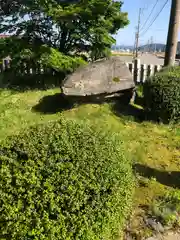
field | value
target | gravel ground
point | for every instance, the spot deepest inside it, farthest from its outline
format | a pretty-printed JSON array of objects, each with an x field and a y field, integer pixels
[{"x": 167, "y": 236}]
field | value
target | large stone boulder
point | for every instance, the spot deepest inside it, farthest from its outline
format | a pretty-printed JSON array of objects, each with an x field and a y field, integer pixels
[{"x": 104, "y": 77}]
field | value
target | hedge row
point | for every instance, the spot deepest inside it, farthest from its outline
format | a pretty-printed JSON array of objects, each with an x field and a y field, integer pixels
[
  {"x": 162, "y": 95},
  {"x": 64, "y": 180}
]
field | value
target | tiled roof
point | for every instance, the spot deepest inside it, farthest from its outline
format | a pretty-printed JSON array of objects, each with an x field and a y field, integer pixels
[{"x": 3, "y": 36}]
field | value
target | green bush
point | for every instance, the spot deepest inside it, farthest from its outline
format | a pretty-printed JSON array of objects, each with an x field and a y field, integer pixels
[
  {"x": 64, "y": 180},
  {"x": 28, "y": 61},
  {"x": 162, "y": 95},
  {"x": 53, "y": 59},
  {"x": 167, "y": 208}
]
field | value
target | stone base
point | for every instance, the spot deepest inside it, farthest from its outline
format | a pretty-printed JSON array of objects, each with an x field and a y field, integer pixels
[{"x": 123, "y": 96}]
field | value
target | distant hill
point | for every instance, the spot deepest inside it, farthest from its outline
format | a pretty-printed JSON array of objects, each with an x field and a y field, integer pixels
[
  {"x": 119, "y": 47},
  {"x": 153, "y": 47},
  {"x": 158, "y": 47},
  {"x": 146, "y": 48}
]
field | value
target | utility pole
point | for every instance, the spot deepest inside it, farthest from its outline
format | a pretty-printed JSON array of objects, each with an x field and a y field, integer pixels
[
  {"x": 172, "y": 39},
  {"x": 152, "y": 44},
  {"x": 147, "y": 47},
  {"x": 134, "y": 48},
  {"x": 137, "y": 33}
]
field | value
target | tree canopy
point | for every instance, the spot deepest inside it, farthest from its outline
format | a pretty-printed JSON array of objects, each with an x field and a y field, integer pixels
[{"x": 84, "y": 26}]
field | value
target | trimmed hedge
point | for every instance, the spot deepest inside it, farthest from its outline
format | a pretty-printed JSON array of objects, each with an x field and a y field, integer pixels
[
  {"x": 162, "y": 95},
  {"x": 64, "y": 180}
]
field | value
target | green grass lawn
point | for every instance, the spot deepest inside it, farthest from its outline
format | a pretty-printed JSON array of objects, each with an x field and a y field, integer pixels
[{"x": 154, "y": 149}]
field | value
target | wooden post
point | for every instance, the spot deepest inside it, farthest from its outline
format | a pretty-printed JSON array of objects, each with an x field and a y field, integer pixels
[
  {"x": 143, "y": 72},
  {"x": 131, "y": 68},
  {"x": 151, "y": 70},
  {"x": 148, "y": 70},
  {"x": 157, "y": 68},
  {"x": 6, "y": 64},
  {"x": 172, "y": 39},
  {"x": 137, "y": 66},
  {"x": 2, "y": 66},
  {"x": 137, "y": 34}
]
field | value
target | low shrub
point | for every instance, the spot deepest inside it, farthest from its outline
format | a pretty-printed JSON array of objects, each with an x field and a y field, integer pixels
[
  {"x": 35, "y": 65},
  {"x": 162, "y": 95},
  {"x": 167, "y": 208},
  {"x": 53, "y": 59},
  {"x": 64, "y": 180}
]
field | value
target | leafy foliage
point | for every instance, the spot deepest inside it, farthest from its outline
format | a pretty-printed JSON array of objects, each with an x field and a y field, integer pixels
[
  {"x": 64, "y": 181},
  {"x": 23, "y": 53},
  {"x": 167, "y": 208},
  {"x": 60, "y": 62},
  {"x": 162, "y": 95},
  {"x": 85, "y": 26},
  {"x": 57, "y": 35},
  {"x": 26, "y": 58}
]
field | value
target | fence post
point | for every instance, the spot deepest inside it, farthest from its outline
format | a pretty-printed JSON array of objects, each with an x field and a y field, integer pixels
[
  {"x": 2, "y": 66},
  {"x": 140, "y": 72},
  {"x": 137, "y": 66},
  {"x": 131, "y": 68},
  {"x": 155, "y": 69},
  {"x": 148, "y": 70},
  {"x": 143, "y": 73},
  {"x": 151, "y": 70},
  {"x": 6, "y": 64}
]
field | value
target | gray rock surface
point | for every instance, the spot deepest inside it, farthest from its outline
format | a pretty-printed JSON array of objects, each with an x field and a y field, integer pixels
[
  {"x": 105, "y": 76},
  {"x": 157, "y": 226}
]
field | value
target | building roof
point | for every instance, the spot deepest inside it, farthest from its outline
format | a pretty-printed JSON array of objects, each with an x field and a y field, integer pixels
[{"x": 3, "y": 35}]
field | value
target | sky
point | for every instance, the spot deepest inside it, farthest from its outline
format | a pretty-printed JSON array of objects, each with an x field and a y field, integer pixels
[{"x": 158, "y": 30}]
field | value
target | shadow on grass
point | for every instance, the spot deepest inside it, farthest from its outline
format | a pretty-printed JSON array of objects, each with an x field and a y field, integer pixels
[
  {"x": 57, "y": 103},
  {"x": 53, "y": 104},
  {"x": 171, "y": 179},
  {"x": 128, "y": 112},
  {"x": 132, "y": 112}
]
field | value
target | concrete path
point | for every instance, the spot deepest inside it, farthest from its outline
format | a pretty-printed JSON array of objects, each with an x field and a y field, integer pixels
[
  {"x": 145, "y": 59},
  {"x": 168, "y": 236}
]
